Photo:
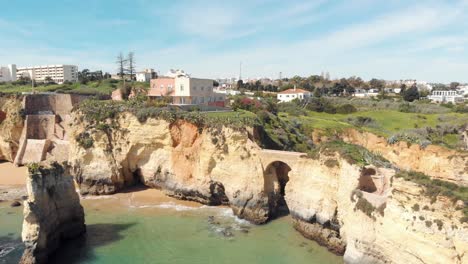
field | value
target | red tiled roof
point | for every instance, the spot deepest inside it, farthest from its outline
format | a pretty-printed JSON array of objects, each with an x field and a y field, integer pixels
[{"x": 292, "y": 91}]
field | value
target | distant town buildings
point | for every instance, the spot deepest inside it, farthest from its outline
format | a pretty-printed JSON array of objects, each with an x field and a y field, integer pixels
[
  {"x": 8, "y": 73},
  {"x": 291, "y": 94},
  {"x": 58, "y": 73},
  {"x": 146, "y": 75},
  {"x": 446, "y": 97},
  {"x": 421, "y": 85}
]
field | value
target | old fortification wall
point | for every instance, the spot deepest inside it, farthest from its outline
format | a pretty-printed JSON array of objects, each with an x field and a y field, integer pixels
[
  {"x": 45, "y": 128},
  {"x": 60, "y": 104}
]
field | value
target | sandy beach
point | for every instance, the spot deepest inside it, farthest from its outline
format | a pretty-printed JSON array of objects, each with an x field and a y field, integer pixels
[{"x": 12, "y": 175}]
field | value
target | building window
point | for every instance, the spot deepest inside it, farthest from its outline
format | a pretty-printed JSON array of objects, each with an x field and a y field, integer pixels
[
  {"x": 161, "y": 87},
  {"x": 202, "y": 88},
  {"x": 181, "y": 87}
]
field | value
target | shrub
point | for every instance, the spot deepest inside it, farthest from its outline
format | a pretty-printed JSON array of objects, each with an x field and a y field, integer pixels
[
  {"x": 346, "y": 109},
  {"x": 364, "y": 206},
  {"x": 428, "y": 223},
  {"x": 84, "y": 140},
  {"x": 330, "y": 163},
  {"x": 407, "y": 108},
  {"x": 439, "y": 223},
  {"x": 361, "y": 121},
  {"x": 415, "y": 207}
]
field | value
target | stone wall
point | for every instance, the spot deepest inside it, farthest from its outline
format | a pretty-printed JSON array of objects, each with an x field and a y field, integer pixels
[{"x": 59, "y": 104}]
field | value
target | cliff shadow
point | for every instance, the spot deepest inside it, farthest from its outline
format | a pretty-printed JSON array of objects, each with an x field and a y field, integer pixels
[
  {"x": 83, "y": 249},
  {"x": 275, "y": 179}
]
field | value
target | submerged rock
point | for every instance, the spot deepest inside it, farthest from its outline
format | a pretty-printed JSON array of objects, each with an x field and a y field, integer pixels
[
  {"x": 52, "y": 213},
  {"x": 15, "y": 204}
]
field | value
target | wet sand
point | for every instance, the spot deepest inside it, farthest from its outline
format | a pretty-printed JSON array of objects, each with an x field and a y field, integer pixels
[{"x": 12, "y": 175}]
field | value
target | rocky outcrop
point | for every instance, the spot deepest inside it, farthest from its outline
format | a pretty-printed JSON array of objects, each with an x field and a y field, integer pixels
[
  {"x": 361, "y": 212},
  {"x": 52, "y": 212},
  {"x": 210, "y": 166},
  {"x": 11, "y": 125},
  {"x": 435, "y": 161},
  {"x": 372, "y": 217}
]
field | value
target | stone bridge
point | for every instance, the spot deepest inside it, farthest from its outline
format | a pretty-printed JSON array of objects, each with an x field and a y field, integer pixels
[
  {"x": 290, "y": 158},
  {"x": 276, "y": 167}
]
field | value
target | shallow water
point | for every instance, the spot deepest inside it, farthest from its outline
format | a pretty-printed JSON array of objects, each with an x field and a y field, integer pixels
[{"x": 169, "y": 232}]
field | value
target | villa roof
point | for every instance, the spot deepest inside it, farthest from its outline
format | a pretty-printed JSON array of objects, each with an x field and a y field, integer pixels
[{"x": 293, "y": 91}]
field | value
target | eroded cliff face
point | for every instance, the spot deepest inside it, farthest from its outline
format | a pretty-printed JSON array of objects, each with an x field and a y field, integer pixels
[
  {"x": 362, "y": 213},
  {"x": 372, "y": 217},
  {"x": 211, "y": 166},
  {"x": 52, "y": 212},
  {"x": 11, "y": 125},
  {"x": 435, "y": 161}
]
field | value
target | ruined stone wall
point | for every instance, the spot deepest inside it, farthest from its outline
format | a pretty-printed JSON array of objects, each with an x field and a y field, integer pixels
[
  {"x": 40, "y": 126},
  {"x": 59, "y": 104}
]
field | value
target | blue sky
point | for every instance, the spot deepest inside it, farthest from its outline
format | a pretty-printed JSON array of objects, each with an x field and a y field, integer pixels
[{"x": 392, "y": 39}]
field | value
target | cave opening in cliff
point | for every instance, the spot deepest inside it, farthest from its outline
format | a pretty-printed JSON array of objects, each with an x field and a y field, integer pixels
[
  {"x": 275, "y": 179},
  {"x": 366, "y": 182}
]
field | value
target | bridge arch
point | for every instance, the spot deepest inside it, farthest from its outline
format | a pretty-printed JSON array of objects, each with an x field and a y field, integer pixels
[{"x": 276, "y": 176}]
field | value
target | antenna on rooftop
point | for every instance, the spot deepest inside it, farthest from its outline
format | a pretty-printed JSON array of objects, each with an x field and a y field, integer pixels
[{"x": 240, "y": 71}]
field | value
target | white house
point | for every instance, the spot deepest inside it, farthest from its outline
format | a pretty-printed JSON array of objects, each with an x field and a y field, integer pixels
[
  {"x": 8, "y": 74},
  {"x": 145, "y": 75},
  {"x": 446, "y": 97},
  {"x": 291, "y": 94}
]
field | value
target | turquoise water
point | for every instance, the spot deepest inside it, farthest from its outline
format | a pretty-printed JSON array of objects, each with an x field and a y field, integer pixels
[{"x": 170, "y": 233}]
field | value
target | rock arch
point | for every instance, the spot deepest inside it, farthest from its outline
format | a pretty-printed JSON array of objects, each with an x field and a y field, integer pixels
[{"x": 276, "y": 177}]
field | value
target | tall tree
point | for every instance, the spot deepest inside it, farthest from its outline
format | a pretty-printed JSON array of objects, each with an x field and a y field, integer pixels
[
  {"x": 131, "y": 65},
  {"x": 121, "y": 66},
  {"x": 454, "y": 85},
  {"x": 411, "y": 94}
]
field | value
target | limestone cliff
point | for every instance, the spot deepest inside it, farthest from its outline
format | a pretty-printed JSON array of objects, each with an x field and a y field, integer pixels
[
  {"x": 52, "y": 212},
  {"x": 361, "y": 212},
  {"x": 11, "y": 125},
  {"x": 435, "y": 161},
  {"x": 372, "y": 217},
  {"x": 211, "y": 166}
]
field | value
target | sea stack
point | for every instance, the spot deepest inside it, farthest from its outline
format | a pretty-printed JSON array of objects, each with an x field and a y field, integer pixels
[{"x": 52, "y": 213}]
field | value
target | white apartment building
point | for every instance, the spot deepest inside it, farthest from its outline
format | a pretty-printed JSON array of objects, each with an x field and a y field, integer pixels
[
  {"x": 8, "y": 73},
  {"x": 59, "y": 73},
  {"x": 446, "y": 97}
]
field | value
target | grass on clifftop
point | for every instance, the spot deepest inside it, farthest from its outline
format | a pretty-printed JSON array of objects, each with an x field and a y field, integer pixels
[
  {"x": 97, "y": 112},
  {"x": 439, "y": 129},
  {"x": 100, "y": 88},
  {"x": 353, "y": 154},
  {"x": 434, "y": 188}
]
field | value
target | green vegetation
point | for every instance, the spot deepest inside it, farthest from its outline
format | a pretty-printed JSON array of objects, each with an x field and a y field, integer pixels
[
  {"x": 33, "y": 168},
  {"x": 353, "y": 154},
  {"x": 97, "y": 112},
  {"x": 410, "y": 126},
  {"x": 99, "y": 88},
  {"x": 84, "y": 140},
  {"x": 366, "y": 207},
  {"x": 434, "y": 188}
]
